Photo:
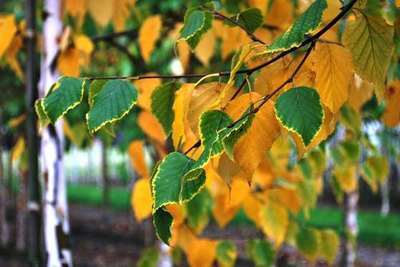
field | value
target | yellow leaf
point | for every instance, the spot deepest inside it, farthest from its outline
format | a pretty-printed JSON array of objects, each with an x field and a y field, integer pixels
[
  {"x": 11, "y": 55},
  {"x": 233, "y": 38},
  {"x": 83, "y": 43},
  {"x": 177, "y": 212},
  {"x": 137, "y": 156},
  {"x": 253, "y": 146},
  {"x": 101, "y": 11},
  {"x": 121, "y": 12},
  {"x": 280, "y": 14},
  {"x": 334, "y": 71},
  {"x": 141, "y": 199},
  {"x": 148, "y": 35},
  {"x": 205, "y": 49},
  {"x": 329, "y": 243},
  {"x": 370, "y": 41},
  {"x": 262, "y": 5},
  {"x": 288, "y": 198},
  {"x": 15, "y": 122},
  {"x": 18, "y": 149},
  {"x": 263, "y": 176},
  {"x": 346, "y": 175},
  {"x": 183, "y": 53},
  {"x": 360, "y": 92},
  {"x": 239, "y": 190},
  {"x": 68, "y": 62},
  {"x": 146, "y": 88},
  {"x": 8, "y": 29},
  {"x": 151, "y": 127},
  {"x": 226, "y": 168},
  {"x": 391, "y": 117},
  {"x": 274, "y": 222},
  {"x": 252, "y": 207},
  {"x": 182, "y": 135},
  {"x": 202, "y": 99},
  {"x": 201, "y": 252},
  {"x": 223, "y": 212},
  {"x": 76, "y": 8}
]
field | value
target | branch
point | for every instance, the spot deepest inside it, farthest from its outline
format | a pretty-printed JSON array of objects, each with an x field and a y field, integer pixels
[
  {"x": 249, "y": 71},
  {"x": 107, "y": 37},
  {"x": 123, "y": 49},
  {"x": 234, "y": 22}
]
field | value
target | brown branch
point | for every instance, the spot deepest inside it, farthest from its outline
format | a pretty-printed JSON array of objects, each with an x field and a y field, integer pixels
[
  {"x": 132, "y": 33},
  {"x": 249, "y": 71}
]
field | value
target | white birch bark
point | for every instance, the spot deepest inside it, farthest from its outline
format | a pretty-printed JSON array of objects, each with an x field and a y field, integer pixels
[{"x": 55, "y": 208}]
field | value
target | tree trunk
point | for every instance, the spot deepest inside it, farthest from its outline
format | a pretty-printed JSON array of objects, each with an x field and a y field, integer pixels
[
  {"x": 104, "y": 174},
  {"x": 385, "y": 194},
  {"x": 56, "y": 225},
  {"x": 350, "y": 229},
  {"x": 4, "y": 228},
  {"x": 34, "y": 203},
  {"x": 21, "y": 214}
]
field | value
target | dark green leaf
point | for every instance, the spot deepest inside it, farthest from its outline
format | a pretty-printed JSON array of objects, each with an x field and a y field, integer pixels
[
  {"x": 261, "y": 252},
  {"x": 196, "y": 23},
  {"x": 162, "y": 221},
  {"x": 112, "y": 103},
  {"x": 162, "y": 101},
  {"x": 226, "y": 253},
  {"x": 299, "y": 110},
  {"x": 66, "y": 94},
  {"x": 305, "y": 24},
  {"x": 251, "y": 19}
]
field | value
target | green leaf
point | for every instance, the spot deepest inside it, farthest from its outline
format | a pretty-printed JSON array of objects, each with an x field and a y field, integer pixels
[
  {"x": 226, "y": 253},
  {"x": 112, "y": 103},
  {"x": 65, "y": 94},
  {"x": 196, "y": 23},
  {"x": 251, "y": 19},
  {"x": 307, "y": 23},
  {"x": 198, "y": 210},
  {"x": 95, "y": 87},
  {"x": 211, "y": 122},
  {"x": 229, "y": 136},
  {"x": 162, "y": 221},
  {"x": 299, "y": 110},
  {"x": 370, "y": 41},
  {"x": 43, "y": 119},
  {"x": 162, "y": 101},
  {"x": 307, "y": 241},
  {"x": 261, "y": 252},
  {"x": 171, "y": 185},
  {"x": 149, "y": 258}
]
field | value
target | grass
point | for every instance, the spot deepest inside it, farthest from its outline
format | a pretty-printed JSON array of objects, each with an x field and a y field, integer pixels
[{"x": 374, "y": 229}]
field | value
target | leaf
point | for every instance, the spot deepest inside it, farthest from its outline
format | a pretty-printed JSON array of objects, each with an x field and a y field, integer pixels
[
  {"x": 226, "y": 253},
  {"x": 68, "y": 62},
  {"x": 196, "y": 23},
  {"x": 101, "y": 11},
  {"x": 162, "y": 221},
  {"x": 391, "y": 116},
  {"x": 111, "y": 104},
  {"x": 280, "y": 13},
  {"x": 261, "y": 252},
  {"x": 149, "y": 33},
  {"x": 300, "y": 111},
  {"x": 346, "y": 176},
  {"x": 169, "y": 184},
  {"x": 329, "y": 245},
  {"x": 305, "y": 24},
  {"x": 307, "y": 240},
  {"x": 148, "y": 258},
  {"x": 83, "y": 43},
  {"x": 250, "y": 19},
  {"x": 198, "y": 211},
  {"x": 65, "y": 94},
  {"x": 359, "y": 93},
  {"x": 201, "y": 252},
  {"x": 43, "y": 119},
  {"x": 205, "y": 49},
  {"x": 334, "y": 72},
  {"x": 151, "y": 127},
  {"x": 254, "y": 144},
  {"x": 211, "y": 122},
  {"x": 137, "y": 156},
  {"x": 8, "y": 29},
  {"x": 162, "y": 101},
  {"x": 18, "y": 149},
  {"x": 121, "y": 12},
  {"x": 274, "y": 221},
  {"x": 370, "y": 41},
  {"x": 146, "y": 88},
  {"x": 94, "y": 88},
  {"x": 141, "y": 200}
]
